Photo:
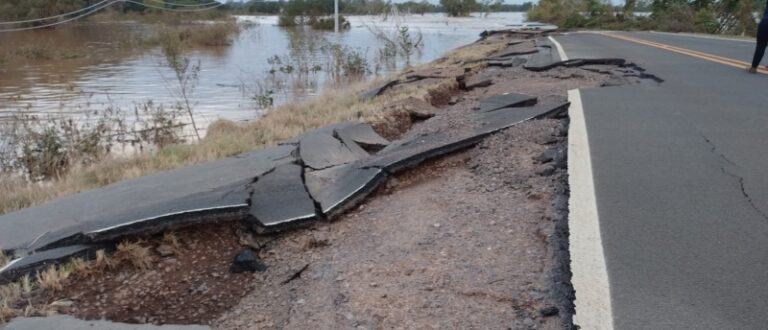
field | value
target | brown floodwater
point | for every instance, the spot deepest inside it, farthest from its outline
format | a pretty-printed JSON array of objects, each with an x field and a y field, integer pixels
[{"x": 94, "y": 67}]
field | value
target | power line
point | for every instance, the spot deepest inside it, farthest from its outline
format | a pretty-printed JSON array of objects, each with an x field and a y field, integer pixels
[
  {"x": 57, "y": 16},
  {"x": 100, "y": 6},
  {"x": 186, "y": 5},
  {"x": 62, "y": 22},
  {"x": 217, "y": 4}
]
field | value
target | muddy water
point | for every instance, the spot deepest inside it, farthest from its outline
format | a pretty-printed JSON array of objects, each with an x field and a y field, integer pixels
[{"x": 103, "y": 72}]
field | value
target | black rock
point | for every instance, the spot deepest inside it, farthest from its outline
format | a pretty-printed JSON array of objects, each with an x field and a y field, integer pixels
[
  {"x": 546, "y": 171},
  {"x": 560, "y": 161},
  {"x": 560, "y": 202},
  {"x": 247, "y": 261},
  {"x": 546, "y": 156},
  {"x": 549, "y": 311}
]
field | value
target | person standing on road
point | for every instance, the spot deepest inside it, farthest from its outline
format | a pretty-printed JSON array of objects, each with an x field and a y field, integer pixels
[{"x": 762, "y": 41}]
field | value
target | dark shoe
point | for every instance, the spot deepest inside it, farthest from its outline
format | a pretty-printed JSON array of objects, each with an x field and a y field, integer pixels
[{"x": 752, "y": 69}]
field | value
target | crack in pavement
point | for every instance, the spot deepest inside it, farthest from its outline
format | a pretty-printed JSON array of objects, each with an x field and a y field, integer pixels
[
  {"x": 318, "y": 207},
  {"x": 740, "y": 179}
]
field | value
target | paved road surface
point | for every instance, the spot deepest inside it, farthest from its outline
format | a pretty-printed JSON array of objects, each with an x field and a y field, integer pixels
[{"x": 680, "y": 184}]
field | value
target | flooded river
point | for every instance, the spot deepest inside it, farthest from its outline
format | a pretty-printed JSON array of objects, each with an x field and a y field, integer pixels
[{"x": 234, "y": 81}]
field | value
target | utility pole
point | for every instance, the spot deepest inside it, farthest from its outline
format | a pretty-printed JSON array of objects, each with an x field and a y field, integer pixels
[{"x": 336, "y": 16}]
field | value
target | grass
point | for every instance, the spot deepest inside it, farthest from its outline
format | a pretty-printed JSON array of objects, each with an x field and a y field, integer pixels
[
  {"x": 4, "y": 259},
  {"x": 471, "y": 53},
  {"x": 138, "y": 254}
]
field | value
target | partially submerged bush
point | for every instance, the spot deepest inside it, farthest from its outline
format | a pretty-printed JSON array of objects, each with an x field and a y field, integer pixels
[
  {"x": 45, "y": 148},
  {"x": 328, "y": 23}
]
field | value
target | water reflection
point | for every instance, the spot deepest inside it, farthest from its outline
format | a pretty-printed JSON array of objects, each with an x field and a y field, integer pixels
[{"x": 96, "y": 65}]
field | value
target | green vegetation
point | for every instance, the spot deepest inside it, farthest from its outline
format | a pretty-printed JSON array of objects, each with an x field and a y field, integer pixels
[
  {"x": 735, "y": 17},
  {"x": 316, "y": 13},
  {"x": 459, "y": 7}
]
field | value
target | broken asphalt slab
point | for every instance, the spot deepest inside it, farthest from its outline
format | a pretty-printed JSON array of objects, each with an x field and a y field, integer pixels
[
  {"x": 363, "y": 135},
  {"x": 65, "y": 322},
  {"x": 273, "y": 189},
  {"x": 340, "y": 187},
  {"x": 44, "y": 259},
  {"x": 378, "y": 90},
  {"x": 417, "y": 149},
  {"x": 510, "y": 53},
  {"x": 140, "y": 203},
  {"x": 506, "y": 100},
  {"x": 279, "y": 199},
  {"x": 319, "y": 150}
]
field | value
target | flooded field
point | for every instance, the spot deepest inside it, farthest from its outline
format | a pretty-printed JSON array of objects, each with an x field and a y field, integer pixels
[{"x": 265, "y": 64}]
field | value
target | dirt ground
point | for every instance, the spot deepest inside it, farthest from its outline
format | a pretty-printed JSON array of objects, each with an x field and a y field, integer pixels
[
  {"x": 460, "y": 243},
  {"x": 469, "y": 241}
]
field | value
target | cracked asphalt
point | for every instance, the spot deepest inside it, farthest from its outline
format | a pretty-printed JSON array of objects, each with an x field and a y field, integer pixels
[{"x": 679, "y": 184}]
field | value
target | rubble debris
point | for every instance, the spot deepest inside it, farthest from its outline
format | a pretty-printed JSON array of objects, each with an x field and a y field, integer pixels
[
  {"x": 549, "y": 311},
  {"x": 378, "y": 90},
  {"x": 247, "y": 261},
  {"x": 506, "y": 100},
  {"x": 363, "y": 135}
]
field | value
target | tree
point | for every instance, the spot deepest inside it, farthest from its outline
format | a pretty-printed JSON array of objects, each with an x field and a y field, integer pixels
[
  {"x": 32, "y": 9},
  {"x": 459, "y": 7}
]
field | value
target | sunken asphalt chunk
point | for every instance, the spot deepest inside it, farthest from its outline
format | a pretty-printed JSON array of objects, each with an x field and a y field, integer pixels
[
  {"x": 280, "y": 198},
  {"x": 140, "y": 204}
]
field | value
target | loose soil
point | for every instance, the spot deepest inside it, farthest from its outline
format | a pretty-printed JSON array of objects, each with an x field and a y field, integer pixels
[
  {"x": 459, "y": 243},
  {"x": 468, "y": 241},
  {"x": 190, "y": 284}
]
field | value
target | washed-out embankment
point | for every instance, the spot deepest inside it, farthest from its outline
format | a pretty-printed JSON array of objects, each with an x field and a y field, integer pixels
[{"x": 504, "y": 93}]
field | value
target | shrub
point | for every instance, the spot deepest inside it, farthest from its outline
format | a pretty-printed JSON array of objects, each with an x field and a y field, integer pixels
[
  {"x": 459, "y": 7},
  {"x": 328, "y": 23}
]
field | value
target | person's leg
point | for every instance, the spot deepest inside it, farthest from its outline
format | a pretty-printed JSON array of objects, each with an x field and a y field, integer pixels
[{"x": 762, "y": 42}]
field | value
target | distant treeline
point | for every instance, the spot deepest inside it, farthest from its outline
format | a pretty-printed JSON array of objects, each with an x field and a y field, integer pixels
[
  {"x": 371, "y": 7},
  {"x": 738, "y": 17},
  {"x": 13, "y": 10}
]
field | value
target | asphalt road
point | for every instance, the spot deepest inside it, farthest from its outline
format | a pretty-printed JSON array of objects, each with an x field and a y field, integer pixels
[{"x": 680, "y": 184}]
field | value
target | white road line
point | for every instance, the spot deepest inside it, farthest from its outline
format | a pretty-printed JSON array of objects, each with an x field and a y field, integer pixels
[
  {"x": 560, "y": 51},
  {"x": 590, "y": 276}
]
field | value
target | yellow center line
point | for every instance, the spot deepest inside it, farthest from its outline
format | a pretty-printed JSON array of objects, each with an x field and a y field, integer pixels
[{"x": 689, "y": 52}]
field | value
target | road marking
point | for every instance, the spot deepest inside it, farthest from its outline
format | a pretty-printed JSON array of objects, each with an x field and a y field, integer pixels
[
  {"x": 560, "y": 51},
  {"x": 703, "y": 36},
  {"x": 590, "y": 274},
  {"x": 688, "y": 52}
]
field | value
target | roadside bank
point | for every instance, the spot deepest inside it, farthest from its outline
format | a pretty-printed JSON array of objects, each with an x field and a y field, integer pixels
[{"x": 467, "y": 228}]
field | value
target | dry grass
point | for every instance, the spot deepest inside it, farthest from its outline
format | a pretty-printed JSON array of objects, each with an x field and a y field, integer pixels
[
  {"x": 22, "y": 298},
  {"x": 4, "y": 259},
  {"x": 27, "y": 296},
  {"x": 471, "y": 53},
  {"x": 138, "y": 254},
  {"x": 171, "y": 239}
]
